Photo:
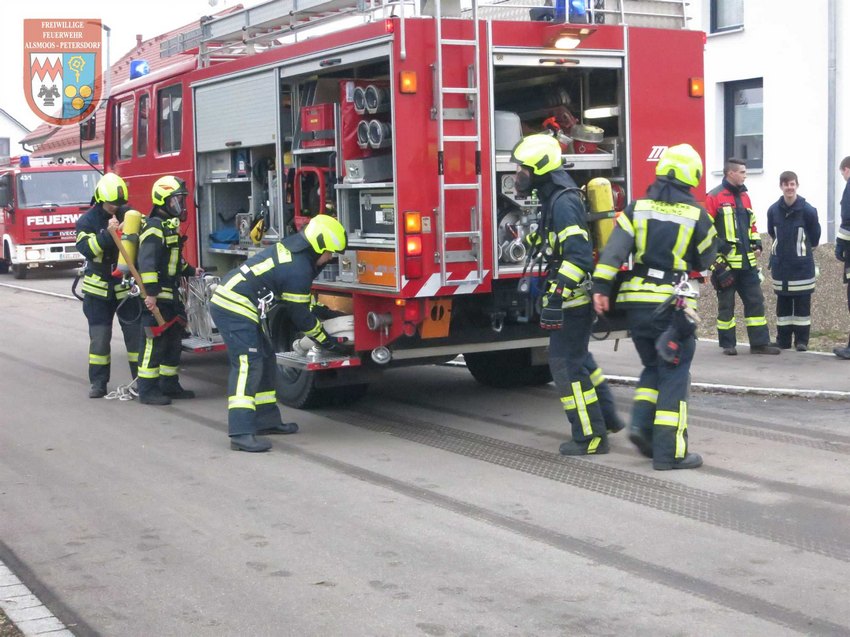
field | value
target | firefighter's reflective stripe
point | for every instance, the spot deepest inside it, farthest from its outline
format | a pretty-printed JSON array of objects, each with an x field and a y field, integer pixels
[
  {"x": 95, "y": 285},
  {"x": 145, "y": 370},
  {"x": 734, "y": 257},
  {"x": 96, "y": 359},
  {"x": 572, "y": 231},
  {"x": 625, "y": 223},
  {"x": 683, "y": 215},
  {"x": 597, "y": 377},
  {"x": 843, "y": 233},
  {"x": 265, "y": 398},
  {"x": 802, "y": 285},
  {"x": 571, "y": 272},
  {"x": 317, "y": 333},
  {"x": 172, "y": 241},
  {"x": 231, "y": 301},
  {"x": 240, "y": 400},
  {"x": 167, "y": 370},
  {"x": 679, "y": 420},
  {"x": 295, "y": 298},
  {"x": 726, "y": 325},
  {"x": 755, "y": 321},
  {"x": 646, "y": 394},
  {"x": 580, "y": 400},
  {"x": 604, "y": 271},
  {"x": 91, "y": 240}
]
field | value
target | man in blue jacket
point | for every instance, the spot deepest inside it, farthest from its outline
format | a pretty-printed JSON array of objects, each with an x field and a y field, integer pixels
[{"x": 793, "y": 225}]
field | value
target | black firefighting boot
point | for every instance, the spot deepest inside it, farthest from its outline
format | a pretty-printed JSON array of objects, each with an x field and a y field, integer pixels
[
  {"x": 596, "y": 446},
  {"x": 171, "y": 387},
  {"x": 690, "y": 461},
  {"x": 150, "y": 394},
  {"x": 843, "y": 352},
  {"x": 249, "y": 443},
  {"x": 97, "y": 390}
]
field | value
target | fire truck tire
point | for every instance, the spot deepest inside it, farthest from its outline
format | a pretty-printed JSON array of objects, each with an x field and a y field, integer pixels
[
  {"x": 19, "y": 271},
  {"x": 299, "y": 388},
  {"x": 5, "y": 261},
  {"x": 506, "y": 368}
]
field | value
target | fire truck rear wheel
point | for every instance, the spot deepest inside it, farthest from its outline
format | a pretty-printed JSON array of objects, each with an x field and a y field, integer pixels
[
  {"x": 506, "y": 368},
  {"x": 19, "y": 271},
  {"x": 5, "y": 261},
  {"x": 299, "y": 388}
]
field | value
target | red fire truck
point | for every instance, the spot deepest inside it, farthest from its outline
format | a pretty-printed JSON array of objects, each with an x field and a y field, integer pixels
[
  {"x": 39, "y": 205},
  {"x": 402, "y": 126}
]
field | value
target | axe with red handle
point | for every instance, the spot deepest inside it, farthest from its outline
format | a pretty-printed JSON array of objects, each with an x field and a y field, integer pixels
[{"x": 161, "y": 325}]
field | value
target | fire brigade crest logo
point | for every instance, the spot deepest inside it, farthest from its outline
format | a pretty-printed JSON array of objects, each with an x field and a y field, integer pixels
[{"x": 63, "y": 81}]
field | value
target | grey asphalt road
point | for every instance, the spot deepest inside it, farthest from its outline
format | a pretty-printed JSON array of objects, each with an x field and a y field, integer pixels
[{"x": 432, "y": 507}]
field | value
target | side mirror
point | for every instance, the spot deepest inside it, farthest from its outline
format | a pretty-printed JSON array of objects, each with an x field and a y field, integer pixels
[{"x": 88, "y": 129}]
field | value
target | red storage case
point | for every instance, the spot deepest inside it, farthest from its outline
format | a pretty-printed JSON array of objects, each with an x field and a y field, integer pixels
[{"x": 317, "y": 126}]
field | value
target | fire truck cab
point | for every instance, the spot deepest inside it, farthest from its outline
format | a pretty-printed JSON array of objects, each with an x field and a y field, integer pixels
[
  {"x": 401, "y": 125},
  {"x": 39, "y": 205}
]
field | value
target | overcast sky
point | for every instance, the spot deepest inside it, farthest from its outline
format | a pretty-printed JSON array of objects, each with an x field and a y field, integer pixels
[{"x": 126, "y": 19}]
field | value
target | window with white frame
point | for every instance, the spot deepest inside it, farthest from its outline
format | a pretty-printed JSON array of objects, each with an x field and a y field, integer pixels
[
  {"x": 726, "y": 15},
  {"x": 744, "y": 121}
]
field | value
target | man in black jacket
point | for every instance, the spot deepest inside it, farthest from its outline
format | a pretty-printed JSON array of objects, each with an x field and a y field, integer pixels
[
  {"x": 794, "y": 227},
  {"x": 671, "y": 236},
  {"x": 282, "y": 273},
  {"x": 563, "y": 238},
  {"x": 842, "y": 243},
  {"x": 104, "y": 295}
]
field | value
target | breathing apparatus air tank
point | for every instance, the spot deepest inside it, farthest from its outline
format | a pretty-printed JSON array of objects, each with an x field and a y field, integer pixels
[
  {"x": 130, "y": 239},
  {"x": 600, "y": 199}
]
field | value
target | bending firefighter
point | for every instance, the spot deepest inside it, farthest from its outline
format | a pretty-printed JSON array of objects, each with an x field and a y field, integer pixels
[
  {"x": 282, "y": 273},
  {"x": 161, "y": 265},
  {"x": 104, "y": 294},
  {"x": 670, "y": 236},
  {"x": 563, "y": 238}
]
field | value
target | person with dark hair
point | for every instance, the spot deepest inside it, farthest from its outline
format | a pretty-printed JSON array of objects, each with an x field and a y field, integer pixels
[
  {"x": 793, "y": 225},
  {"x": 842, "y": 243},
  {"x": 736, "y": 269},
  {"x": 670, "y": 236}
]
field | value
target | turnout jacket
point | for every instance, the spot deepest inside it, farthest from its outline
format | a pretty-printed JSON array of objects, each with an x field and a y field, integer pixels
[
  {"x": 286, "y": 270},
  {"x": 161, "y": 262},
  {"x": 795, "y": 230},
  {"x": 670, "y": 235},
  {"x": 101, "y": 253},
  {"x": 735, "y": 223},
  {"x": 568, "y": 236}
]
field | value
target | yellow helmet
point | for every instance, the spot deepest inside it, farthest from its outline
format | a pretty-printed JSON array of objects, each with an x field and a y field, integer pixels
[
  {"x": 111, "y": 189},
  {"x": 680, "y": 162},
  {"x": 325, "y": 234},
  {"x": 165, "y": 187},
  {"x": 540, "y": 153}
]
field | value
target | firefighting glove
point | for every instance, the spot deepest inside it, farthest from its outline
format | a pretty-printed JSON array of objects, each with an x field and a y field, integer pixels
[
  {"x": 338, "y": 345},
  {"x": 552, "y": 314},
  {"x": 722, "y": 276}
]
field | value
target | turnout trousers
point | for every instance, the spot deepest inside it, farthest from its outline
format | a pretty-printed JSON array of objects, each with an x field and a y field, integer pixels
[
  {"x": 100, "y": 314},
  {"x": 660, "y": 409},
  {"x": 748, "y": 287},
  {"x": 567, "y": 361},
  {"x": 159, "y": 362},
  {"x": 793, "y": 319},
  {"x": 251, "y": 398}
]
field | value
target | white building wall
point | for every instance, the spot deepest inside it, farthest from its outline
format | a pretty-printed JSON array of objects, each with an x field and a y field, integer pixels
[
  {"x": 10, "y": 128},
  {"x": 784, "y": 42}
]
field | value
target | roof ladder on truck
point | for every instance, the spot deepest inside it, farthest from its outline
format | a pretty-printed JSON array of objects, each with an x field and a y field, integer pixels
[{"x": 442, "y": 114}]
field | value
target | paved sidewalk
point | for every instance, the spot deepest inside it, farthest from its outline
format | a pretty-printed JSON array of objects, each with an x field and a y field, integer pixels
[{"x": 791, "y": 373}]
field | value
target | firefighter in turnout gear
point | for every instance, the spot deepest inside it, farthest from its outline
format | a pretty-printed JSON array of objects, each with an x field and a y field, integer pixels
[
  {"x": 670, "y": 235},
  {"x": 842, "y": 243},
  {"x": 161, "y": 265},
  {"x": 736, "y": 270},
  {"x": 563, "y": 239},
  {"x": 284, "y": 273},
  {"x": 104, "y": 294}
]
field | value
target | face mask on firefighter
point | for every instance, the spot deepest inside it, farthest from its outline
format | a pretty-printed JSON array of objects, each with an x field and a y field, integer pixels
[
  {"x": 522, "y": 182},
  {"x": 175, "y": 205}
]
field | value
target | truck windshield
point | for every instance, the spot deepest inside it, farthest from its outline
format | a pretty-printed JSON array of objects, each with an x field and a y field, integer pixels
[{"x": 59, "y": 188}]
